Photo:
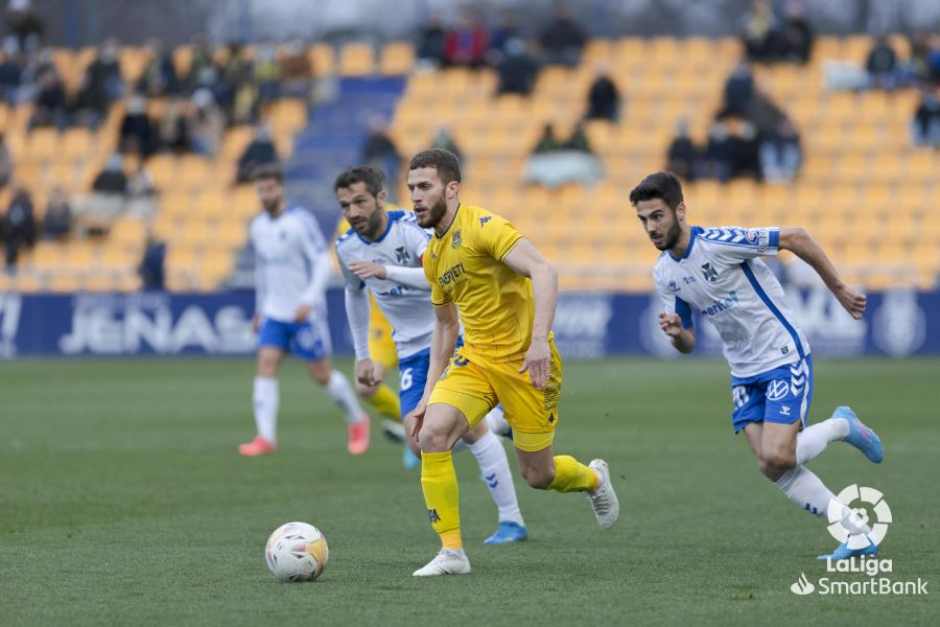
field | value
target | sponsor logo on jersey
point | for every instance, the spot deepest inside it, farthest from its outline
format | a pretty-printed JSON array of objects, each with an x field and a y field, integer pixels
[
  {"x": 722, "y": 305},
  {"x": 778, "y": 389},
  {"x": 451, "y": 275},
  {"x": 456, "y": 240}
]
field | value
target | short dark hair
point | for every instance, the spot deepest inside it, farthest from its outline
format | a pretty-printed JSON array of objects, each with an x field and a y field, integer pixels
[
  {"x": 444, "y": 161},
  {"x": 268, "y": 171},
  {"x": 372, "y": 177},
  {"x": 662, "y": 185}
]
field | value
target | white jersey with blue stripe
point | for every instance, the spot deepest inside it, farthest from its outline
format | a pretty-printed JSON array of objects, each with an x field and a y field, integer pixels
[
  {"x": 286, "y": 249},
  {"x": 721, "y": 277},
  {"x": 407, "y": 308}
]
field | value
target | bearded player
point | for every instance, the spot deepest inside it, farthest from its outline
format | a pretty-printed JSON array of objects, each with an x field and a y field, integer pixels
[
  {"x": 381, "y": 254},
  {"x": 487, "y": 276},
  {"x": 717, "y": 272}
]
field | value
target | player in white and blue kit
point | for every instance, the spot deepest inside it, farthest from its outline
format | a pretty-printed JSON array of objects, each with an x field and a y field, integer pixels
[
  {"x": 382, "y": 252},
  {"x": 717, "y": 273},
  {"x": 291, "y": 272}
]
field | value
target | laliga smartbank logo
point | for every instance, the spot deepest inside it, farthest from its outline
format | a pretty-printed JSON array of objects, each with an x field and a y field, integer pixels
[{"x": 859, "y": 517}]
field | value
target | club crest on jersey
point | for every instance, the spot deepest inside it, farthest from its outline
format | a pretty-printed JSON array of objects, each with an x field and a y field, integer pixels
[
  {"x": 401, "y": 255},
  {"x": 673, "y": 287},
  {"x": 778, "y": 389},
  {"x": 484, "y": 220},
  {"x": 456, "y": 240},
  {"x": 710, "y": 274}
]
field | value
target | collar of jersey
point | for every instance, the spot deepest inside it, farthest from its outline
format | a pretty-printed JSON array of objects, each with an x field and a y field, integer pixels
[
  {"x": 393, "y": 216},
  {"x": 688, "y": 249},
  {"x": 441, "y": 236}
]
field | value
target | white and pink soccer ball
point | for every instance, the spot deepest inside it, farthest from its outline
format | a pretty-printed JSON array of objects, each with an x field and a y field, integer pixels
[{"x": 296, "y": 551}]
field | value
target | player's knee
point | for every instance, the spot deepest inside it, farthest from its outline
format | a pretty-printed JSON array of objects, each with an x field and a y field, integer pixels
[
  {"x": 775, "y": 462},
  {"x": 365, "y": 391},
  {"x": 538, "y": 477},
  {"x": 267, "y": 366},
  {"x": 433, "y": 440}
]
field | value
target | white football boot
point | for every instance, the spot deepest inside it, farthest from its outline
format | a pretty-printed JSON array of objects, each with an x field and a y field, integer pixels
[
  {"x": 604, "y": 500},
  {"x": 447, "y": 562}
]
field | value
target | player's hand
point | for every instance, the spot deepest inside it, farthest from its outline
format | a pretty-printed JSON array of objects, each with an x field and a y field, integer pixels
[
  {"x": 853, "y": 302},
  {"x": 368, "y": 269},
  {"x": 538, "y": 362},
  {"x": 366, "y": 373},
  {"x": 671, "y": 324},
  {"x": 302, "y": 313},
  {"x": 416, "y": 418},
  {"x": 255, "y": 323}
]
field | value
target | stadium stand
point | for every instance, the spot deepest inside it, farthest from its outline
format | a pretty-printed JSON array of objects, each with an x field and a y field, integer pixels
[{"x": 863, "y": 189}]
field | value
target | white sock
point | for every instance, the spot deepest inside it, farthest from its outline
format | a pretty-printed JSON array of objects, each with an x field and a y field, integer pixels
[
  {"x": 494, "y": 470},
  {"x": 807, "y": 490},
  {"x": 340, "y": 391},
  {"x": 266, "y": 400},
  {"x": 812, "y": 441},
  {"x": 496, "y": 421}
]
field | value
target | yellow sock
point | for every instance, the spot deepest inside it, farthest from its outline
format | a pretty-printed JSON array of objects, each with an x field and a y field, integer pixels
[
  {"x": 572, "y": 476},
  {"x": 386, "y": 402},
  {"x": 442, "y": 496}
]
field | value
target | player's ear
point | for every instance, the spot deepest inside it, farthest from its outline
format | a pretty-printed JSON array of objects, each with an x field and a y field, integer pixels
[
  {"x": 680, "y": 212},
  {"x": 452, "y": 188},
  {"x": 381, "y": 196}
]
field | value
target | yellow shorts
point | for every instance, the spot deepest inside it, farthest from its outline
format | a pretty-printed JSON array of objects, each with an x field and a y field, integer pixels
[
  {"x": 475, "y": 386},
  {"x": 381, "y": 346}
]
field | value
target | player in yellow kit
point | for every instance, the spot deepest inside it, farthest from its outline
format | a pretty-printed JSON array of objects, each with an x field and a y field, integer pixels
[{"x": 478, "y": 264}]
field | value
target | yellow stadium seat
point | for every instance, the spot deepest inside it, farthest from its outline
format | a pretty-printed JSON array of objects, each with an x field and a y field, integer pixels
[
  {"x": 356, "y": 59},
  {"x": 323, "y": 59},
  {"x": 397, "y": 58}
]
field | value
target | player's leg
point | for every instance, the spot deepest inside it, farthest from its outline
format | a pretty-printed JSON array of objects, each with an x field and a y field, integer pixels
[
  {"x": 311, "y": 342},
  {"x": 496, "y": 421},
  {"x": 533, "y": 415},
  {"x": 494, "y": 471},
  {"x": 412, "y": 378},
  {"x": 273, "y": 341},
  {"x": 460, "y": 399}
]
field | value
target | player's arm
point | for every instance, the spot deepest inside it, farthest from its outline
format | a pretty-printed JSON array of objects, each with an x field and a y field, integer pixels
[
  {"x": 683, "y": 338},
  {"x": 357, "y": 316},
  {"x": 443, "y": 341},
  {"x": 526, "y": 260},
  {"x": 314, "y": 248},
  {"x": 412, "y": 277},
  {"x": 798, "y": 241}
]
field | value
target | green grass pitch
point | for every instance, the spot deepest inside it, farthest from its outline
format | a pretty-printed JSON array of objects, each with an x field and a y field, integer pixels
[{"x": 123, "y": 502}]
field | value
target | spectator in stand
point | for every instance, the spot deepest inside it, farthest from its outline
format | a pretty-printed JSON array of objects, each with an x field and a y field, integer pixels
[
  {"x": 259, "y": 152},
  {"x": 111, "y": 180},
  {"x": 51, "y": 105},
  {"x": 25, "y": 24},
  {"x": 207, "y": 123},
  {"x": 683, "y": 156},
  {"x": 57, "y": 223},
  {"x": 238, "y": 73},
  {"x": 562, "y": 39},
  {"x": 151, "y": 268},
  {"x": 920, "y": 51},
  {"x": 517, "y": 70},
  {"x": 11, "y": 74},
  {"x": 101, "y": 85},
  {"x": 760, "y": 34},
  {"x": 159, "y": 77},
  {"x": 882, "y": 64},
  {"x": 739, "y": 91},
  {"x": 380, "y": 151},
  {"x": 95, "y": 213},
  {"x": 431, "y": 43},
  {"x": 718, "y": 157},
  {"x": 201, "y": 59},
  {"x": 548, "y": 141},
  {"x": 267, "y": 74},
  {"x": 603, "y": 97},
  {"x": 18, "y": 226},
  {"x": 137, "y": 135},
  {"x": 444, "y": 140},
  {"x": 578, "y": 141},
  {"x": 296, "y": 72},
  {"x": 6, "y": 162},
  {"x": 467, "y": 43},
  {"x": 174, "y": 128},
  {"x": 797, "y": 37},
  {"x": 925, "y": 126},
  {"x": 141, "y": 193},
  {"x": 505, "y": 31},
  {"x": 781, "y": 153}
]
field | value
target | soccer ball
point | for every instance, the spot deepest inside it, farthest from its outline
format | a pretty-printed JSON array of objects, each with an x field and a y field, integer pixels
[{"x": 296, "y": 551}]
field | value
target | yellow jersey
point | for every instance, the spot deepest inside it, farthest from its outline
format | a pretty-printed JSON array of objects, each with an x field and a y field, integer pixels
[{"x": 465, "y": 266}]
